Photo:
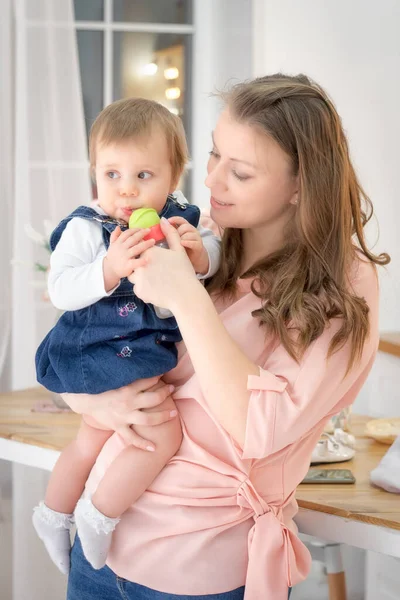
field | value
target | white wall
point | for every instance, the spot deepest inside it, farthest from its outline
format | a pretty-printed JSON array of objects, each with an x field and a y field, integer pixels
[
  {"x": 352, "y": 48},
  {"x": 222, "y": 55}
]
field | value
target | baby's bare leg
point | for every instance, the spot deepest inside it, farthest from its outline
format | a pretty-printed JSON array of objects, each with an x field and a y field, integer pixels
[
  {"x": 53, "y": 518},
  {"x": 129, "y": 475},
  {"x": 72, "y": 469},
  {"x": 134, "y": 470}
]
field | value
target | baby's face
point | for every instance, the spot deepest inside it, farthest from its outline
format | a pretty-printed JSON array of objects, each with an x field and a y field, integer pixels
[{"x": 133, "y": 174}]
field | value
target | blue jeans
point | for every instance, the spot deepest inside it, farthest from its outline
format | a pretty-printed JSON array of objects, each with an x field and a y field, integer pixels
[{"x": 85, "y": 583}]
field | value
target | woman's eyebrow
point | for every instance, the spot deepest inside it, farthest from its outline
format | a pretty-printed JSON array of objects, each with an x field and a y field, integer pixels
[{"x": 245, "y": 162}]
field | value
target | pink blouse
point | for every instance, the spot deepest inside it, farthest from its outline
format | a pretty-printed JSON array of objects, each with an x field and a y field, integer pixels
[{"x": 219, "y": 516}]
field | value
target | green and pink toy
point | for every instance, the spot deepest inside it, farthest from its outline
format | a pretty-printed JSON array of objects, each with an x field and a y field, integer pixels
[{"x": 147, "y": 218}]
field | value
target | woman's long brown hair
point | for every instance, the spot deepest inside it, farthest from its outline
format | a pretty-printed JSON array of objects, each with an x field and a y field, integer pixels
[{"x": 306, "y": 283}]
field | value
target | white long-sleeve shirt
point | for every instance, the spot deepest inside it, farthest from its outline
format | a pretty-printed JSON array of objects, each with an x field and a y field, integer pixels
[{"x": 76, "y": 265}]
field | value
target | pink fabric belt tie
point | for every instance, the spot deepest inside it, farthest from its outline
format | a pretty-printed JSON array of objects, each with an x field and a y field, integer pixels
[{"x": 277, "y": 558}]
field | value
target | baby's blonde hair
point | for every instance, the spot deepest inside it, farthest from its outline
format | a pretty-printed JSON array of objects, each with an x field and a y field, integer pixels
[{"x": 136, "y": 118}]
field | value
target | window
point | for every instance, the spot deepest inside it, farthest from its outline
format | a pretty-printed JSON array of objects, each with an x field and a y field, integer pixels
[{"x": 141, "y": 48}]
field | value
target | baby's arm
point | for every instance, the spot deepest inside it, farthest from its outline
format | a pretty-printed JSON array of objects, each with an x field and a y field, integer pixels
[
  {"x": 212, "y": 245},
  {"x": 82, "y": 271},
  {"x": 202, "y": 246},
  {"x": 76, "y": 266}
]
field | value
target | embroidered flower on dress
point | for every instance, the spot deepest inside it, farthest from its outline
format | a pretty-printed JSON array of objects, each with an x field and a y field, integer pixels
[
  {"x": 125, "y": 310},
  {"x": 125, "y": 352}
]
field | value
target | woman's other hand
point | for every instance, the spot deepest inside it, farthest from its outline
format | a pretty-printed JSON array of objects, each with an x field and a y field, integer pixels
[{"x": 126, "y": 407}]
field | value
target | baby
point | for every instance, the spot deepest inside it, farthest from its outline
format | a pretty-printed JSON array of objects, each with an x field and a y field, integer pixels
[{"x": 107, "y": 337}]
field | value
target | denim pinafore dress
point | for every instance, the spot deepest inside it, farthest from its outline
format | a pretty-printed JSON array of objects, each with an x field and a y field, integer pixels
[{"x": 114, "y": 341}]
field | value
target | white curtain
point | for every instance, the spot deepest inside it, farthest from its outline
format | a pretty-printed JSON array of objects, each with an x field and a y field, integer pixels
[
  {"x": 44, "y": 166},
  {"x": 6, "y": 184},
  {"x": 43, "y": 175}
]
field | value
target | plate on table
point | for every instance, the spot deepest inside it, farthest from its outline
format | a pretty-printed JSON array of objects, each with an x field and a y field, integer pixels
[{"x": 383, "y": 430}]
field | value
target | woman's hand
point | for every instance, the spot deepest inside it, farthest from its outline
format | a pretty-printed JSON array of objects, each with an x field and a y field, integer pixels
[
  {"x": 126, "y": 407},
  {"x": 167, "y": 277}
]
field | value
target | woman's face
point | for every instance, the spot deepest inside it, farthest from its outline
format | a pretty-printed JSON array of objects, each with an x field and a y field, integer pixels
[{"x": 250, "y": 178}]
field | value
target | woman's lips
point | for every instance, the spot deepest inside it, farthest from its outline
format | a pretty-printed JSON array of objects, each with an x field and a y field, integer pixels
[{"x": 218, "y": 204}]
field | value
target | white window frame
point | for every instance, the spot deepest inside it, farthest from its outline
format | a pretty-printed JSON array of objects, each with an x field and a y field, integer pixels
[{"x": 108, "y": 26}]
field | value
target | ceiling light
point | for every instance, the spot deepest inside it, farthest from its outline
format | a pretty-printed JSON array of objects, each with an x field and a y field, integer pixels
[
  {"x": 171, "y": 73},
  {"x": 149, "y": 69},
  {"x": 172, "y": 93}
]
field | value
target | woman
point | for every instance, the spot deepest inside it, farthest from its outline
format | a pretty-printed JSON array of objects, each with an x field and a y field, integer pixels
[{"x": 285, "y": 340}]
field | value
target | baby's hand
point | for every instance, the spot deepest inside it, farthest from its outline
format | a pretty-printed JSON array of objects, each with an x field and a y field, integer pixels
[
  {"x": 123, "y": 255},
  {"x": 192, "y": 241}
]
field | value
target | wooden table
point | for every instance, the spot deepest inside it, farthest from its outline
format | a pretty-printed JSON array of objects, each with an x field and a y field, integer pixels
[
  {"x": 358, "y": 515},
  {"x": 33, "y": 438}
]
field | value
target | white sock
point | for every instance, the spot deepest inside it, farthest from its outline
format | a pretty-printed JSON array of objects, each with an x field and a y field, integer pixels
[
  {"x": 53, "y": 529},
  {"x": 95, "y": 532}
]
